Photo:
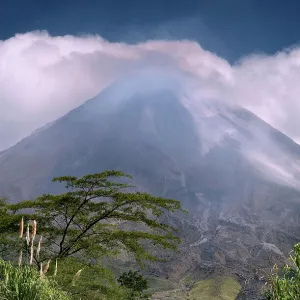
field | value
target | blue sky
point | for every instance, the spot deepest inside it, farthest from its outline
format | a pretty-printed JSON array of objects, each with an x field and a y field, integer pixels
[{"x": 230, "y": 28}]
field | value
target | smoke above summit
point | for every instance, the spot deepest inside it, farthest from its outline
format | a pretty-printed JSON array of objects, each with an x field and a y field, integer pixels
[{"x": 42, "y": 77}]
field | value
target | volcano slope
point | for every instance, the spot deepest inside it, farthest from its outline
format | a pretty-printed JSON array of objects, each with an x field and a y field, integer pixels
[{"x": 235, "y": 174}]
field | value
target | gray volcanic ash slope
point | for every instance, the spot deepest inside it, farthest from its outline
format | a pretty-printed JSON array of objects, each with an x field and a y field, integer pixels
[{"x": 237, "y": 175}]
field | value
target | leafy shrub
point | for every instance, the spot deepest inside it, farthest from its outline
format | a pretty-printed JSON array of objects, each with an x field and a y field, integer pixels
[
  {"x": 136, "y": 285},
  {"x": 285, "y": 285}
]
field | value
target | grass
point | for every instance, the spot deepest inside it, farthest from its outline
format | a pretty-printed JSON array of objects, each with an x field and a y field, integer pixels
[
  {"x": 215, "y": 289},
  {"x": 26, "y": 283},
  {"x": 219, "y": 288}
]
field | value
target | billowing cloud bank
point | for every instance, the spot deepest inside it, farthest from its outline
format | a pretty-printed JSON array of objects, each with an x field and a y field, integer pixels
[{"x": 43, "y": 77}]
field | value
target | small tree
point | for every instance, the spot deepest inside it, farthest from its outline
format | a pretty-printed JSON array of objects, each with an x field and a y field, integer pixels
[
  {"x": 286, "y": 286},
  {"x": 135, "y": 283},
  {"x": 97, "y": 216}
]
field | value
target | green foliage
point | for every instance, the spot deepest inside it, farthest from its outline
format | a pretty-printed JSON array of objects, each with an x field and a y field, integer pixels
[
  {"x": 26, "y": 284},
  {"x": 217, "y": 288},
  {"x": 88, "y": 218},
  {"x": 135, "y": 283},
  {"x": 97, "y": 216},
  {"x": 94, "y": 281},
  {"x": 286, "y": 286}
]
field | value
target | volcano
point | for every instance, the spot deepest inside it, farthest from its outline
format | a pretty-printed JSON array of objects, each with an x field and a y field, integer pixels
[{"x": 236, "y": 175}]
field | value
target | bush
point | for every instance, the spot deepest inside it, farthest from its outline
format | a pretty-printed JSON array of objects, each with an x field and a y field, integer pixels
[
  {"x": 135, "y": 284},
  {"x": 25, "y": 283},
  {"x": 285, "y": 285}
]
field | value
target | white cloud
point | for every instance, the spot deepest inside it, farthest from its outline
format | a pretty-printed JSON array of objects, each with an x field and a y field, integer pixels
[
  {"x": 43, "y": 77},
  {"x": 269, "y": 86}
]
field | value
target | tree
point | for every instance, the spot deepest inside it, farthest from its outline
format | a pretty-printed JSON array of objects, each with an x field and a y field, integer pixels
[
  {"x": 97, "y": 215},
  {"x": 135, "y": 283},
  {"x": 286, "y": 286}
]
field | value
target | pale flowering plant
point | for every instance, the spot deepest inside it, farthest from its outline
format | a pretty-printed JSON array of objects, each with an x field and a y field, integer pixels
[{"x": 26, "y": 283}]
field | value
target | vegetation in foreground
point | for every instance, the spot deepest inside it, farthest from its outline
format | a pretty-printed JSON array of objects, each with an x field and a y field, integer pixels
[
  {"x": 285, "y": 284},
  {"x": 98, "y": 216},
  {"x": 26, "y": 283}
]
